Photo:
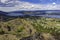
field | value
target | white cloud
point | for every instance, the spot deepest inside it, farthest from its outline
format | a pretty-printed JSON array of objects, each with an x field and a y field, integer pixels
[
  {"x": 30, "y": 6},
  {"x": 3, "y": 1}
]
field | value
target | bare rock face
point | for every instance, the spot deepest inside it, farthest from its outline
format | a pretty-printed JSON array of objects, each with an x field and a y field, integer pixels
[{"x": 39, "y": 36}]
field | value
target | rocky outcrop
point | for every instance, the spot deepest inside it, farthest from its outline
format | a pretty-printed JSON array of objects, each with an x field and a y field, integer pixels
[
  {"x": 39, "y": 36},
  {"x": 8, "y": 37}
]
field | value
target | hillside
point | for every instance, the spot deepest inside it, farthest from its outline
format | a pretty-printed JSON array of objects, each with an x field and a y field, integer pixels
[{"x": 30, "y": 28}]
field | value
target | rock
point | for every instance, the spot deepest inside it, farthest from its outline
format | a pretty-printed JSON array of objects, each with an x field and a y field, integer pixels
[
  {"x": 39, "y": 36},
  {"x": 8, "y": 37}
]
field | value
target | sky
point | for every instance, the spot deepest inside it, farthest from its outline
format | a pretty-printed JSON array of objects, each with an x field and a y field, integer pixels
[
  {"x": 10, "y": 5},
  {"x": 42, "y": 1},
  {"x": 38, "y": 1}
]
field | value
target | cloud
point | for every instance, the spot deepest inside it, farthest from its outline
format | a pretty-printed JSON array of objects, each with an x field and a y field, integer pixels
[
  {"x": 3, "y": 1},
  {"x": 30, "y": 6}
]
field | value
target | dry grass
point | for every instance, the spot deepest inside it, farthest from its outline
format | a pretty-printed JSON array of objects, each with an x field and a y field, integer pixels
[{"x": 24, "y": 27}]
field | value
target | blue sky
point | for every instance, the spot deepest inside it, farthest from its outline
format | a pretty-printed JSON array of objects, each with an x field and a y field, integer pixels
[{"x": 42, "y": 1}]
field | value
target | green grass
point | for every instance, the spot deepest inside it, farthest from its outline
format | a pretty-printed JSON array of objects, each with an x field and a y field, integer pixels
[{"x": 21, "y": 26}]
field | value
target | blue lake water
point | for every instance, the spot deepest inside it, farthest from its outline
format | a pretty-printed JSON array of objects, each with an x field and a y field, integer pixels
[
  {"x": 52, "y": 16},
  {"x": 49, "y": 16},
  {"x": 20, "y": 14},
  {"x": 15, "y": 14}
]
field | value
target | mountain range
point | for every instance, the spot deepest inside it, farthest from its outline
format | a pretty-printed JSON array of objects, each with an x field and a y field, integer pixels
[{"x": 31, "y": 13}]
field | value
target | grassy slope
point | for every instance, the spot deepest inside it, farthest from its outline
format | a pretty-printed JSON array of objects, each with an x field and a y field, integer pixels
[{"x": 23, "y": 27}]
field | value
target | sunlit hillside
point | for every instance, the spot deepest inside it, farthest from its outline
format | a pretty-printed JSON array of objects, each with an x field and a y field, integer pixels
[{"x": 30, "y": 28}]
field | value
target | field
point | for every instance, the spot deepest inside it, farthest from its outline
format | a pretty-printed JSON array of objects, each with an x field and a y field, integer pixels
[{"x": 29, "y": 28}]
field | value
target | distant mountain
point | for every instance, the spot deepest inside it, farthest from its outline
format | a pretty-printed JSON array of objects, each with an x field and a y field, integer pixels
[
  {"x": 13, "y": 14},
  {"x": 30, "y": 13},
  {"x": 3, "y": 13}
]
